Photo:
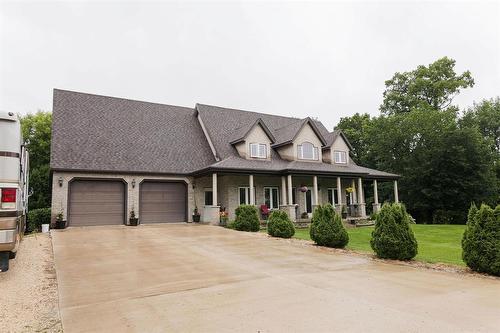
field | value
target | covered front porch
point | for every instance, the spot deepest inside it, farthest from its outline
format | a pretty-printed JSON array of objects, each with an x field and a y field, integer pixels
[{"x": 220, "y": 193}]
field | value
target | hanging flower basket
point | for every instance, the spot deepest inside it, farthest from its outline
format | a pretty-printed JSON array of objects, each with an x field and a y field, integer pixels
[{"x": 303, "y": 188}]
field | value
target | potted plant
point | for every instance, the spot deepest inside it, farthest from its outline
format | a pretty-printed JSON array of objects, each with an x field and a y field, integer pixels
[
  {"x": 304, "y": 215},
  {"x": 223, "y": 218},
  {"x": 344, "y": 212},
  {"x": 60, "y": 221},
  {"x": 196, "y": 215},
  {"x": 133, "y": 221}
]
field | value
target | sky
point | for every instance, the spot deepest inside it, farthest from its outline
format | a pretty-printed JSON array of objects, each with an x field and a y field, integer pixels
[{"x": 320, "y": 59}]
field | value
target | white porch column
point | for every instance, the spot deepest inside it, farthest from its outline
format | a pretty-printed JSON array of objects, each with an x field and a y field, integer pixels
[
  {"x": 361, "y": 198},
  {"x": 360, "y": 191},
  {"x": 283, "y": 190},
  {"x": 315, "y": 190},
  {"x": 251, "y": 190},
  {"x": 290, "y": 196},
  {"x": 396, "y": 196},
  {"x": 339, "y": 193},
  {"x": 376, "y": 205},
  {"x": 211, "y": 213},
  {"x": 214, "y": 189},
  {"x": 354, "y": 192}
]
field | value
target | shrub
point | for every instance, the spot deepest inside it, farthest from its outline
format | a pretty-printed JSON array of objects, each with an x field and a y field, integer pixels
[
  {"x": 481, "y": 240},
  {"x": 279, "y": 225},
  {"x": 37, "y": 217},
  {"x": 327, "y": 228},
  {"x": 247, "y": 218},
  {"x": 392, "y": 237}
]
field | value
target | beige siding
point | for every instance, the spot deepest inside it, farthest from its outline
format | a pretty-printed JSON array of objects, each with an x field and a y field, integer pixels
[
  {"x": 256, "y": 135},
  {"x": 306, "y": 134},
  {"x": 340, "y": 145}
]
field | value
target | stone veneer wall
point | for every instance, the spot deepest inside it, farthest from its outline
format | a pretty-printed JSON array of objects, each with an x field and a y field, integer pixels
[{"x": 60, "y": 193}]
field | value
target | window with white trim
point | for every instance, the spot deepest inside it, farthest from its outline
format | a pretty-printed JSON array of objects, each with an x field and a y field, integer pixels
[
  {"x": 340, "y": 157},
  {"x": 307, "y": 151},
  {"x": 271, "y": 197},
  {"x": 258, "y": 150},
  {"x": 244, "y": 195},
  {"x": 333, "y": 196}
]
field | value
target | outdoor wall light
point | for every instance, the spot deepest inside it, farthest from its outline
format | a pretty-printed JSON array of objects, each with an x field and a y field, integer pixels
[
  {"x": 133, "y": 183},
  {"x": 60, "y": 181}
]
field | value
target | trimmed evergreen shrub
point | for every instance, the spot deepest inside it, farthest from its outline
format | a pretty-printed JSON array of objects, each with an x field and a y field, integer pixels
[
  {"x": 37, "y": 217},
  {"x": 247, "y": 218},
  {"x": 392, "y": 237},
  {"x": 279, "y": 225},
  {"x": 481, "y": 240},
  {"x": 327, "y": 228}
]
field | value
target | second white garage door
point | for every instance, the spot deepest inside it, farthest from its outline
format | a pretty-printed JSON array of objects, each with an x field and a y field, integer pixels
[{"x": 162, "y": 202}]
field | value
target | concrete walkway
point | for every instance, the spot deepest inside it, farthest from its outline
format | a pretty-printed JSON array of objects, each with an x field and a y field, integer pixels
[{"x": 189, "y": 278}]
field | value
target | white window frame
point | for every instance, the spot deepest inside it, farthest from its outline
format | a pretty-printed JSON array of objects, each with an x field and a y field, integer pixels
[
  {"x": 341, "y": 153},
  {"x": 247, "y": 195},
  {"x": 271, "y": 196},
  {"x": 261, "y": 149},
  {"x": 300, "y": 152},
  {"x": 334, "y": 195}
]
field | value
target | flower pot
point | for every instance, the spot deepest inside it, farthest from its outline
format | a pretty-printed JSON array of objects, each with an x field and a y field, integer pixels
[
  {"x": 61, "y": 224},
  {"x": 344, "y": 215},
  {"x": 196, "y": 218},
  {"x": 45, "y": 228},
  {"x": 133, "y": 221}
]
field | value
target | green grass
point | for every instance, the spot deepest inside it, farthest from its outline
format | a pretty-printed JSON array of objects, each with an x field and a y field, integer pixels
[{"x": 436, "y": 243}]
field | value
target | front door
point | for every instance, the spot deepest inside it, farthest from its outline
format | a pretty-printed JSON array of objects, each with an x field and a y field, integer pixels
[{"x": 308, "y": 202}]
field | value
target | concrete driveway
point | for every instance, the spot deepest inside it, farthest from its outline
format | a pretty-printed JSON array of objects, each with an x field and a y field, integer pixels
[{"x": 189, "y": 278}]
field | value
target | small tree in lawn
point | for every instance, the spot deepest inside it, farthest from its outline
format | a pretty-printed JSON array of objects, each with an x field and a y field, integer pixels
[
  {"x": 392, "y": 237},
  {"x": 481, "y": 240},
  {"x": 247, "y": 218},
  {"x": 327, "y": 228},
  {"x": 279, "y": 225}
]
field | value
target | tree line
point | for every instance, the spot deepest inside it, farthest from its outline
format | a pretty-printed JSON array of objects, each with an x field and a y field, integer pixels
[{"x": 447, "y": 158}]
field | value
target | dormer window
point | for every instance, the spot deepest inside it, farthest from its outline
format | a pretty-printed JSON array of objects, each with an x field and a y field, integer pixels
[
  {"x": 258, "y": 150},
  {"x": 307, "y": 151},
  {"x": 340, "y": 157}
]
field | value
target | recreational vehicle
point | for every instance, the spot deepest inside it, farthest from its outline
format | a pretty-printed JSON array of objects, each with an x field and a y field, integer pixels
[{"x": 14, "y": 161}]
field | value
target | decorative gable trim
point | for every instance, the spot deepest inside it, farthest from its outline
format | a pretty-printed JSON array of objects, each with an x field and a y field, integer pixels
[
  {"x": 314, "y": 127},
  {"x": 258, "y": 122},
  {"x": 336, "y": 134}
]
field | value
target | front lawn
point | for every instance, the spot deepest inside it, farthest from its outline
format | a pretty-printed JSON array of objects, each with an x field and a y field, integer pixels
[{"x": 436, "y": 243}]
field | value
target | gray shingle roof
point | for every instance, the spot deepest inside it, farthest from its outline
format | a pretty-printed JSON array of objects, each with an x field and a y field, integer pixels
[
  {"x": 109, "y": 134},
  {"x": 99, "y": 133}
]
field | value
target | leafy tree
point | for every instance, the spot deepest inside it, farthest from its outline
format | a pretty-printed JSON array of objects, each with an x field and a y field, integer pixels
[
  {"x": 40, "y": 182},
  {"x": 355, "y": 128},
  {"x": 36, "y": 130},
  {"x": 486, "y": 116},
  {"x": 445, "y": 162},
  {"x": 427, "y": 87},
  {"x": 392, "y": 237}
]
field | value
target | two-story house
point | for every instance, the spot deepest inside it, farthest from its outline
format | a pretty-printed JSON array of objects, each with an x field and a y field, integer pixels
[{"x": 111, "y": 156}]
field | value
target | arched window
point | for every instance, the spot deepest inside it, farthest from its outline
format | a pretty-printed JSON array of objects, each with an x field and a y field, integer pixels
[{"x": 307, "y": 151}]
